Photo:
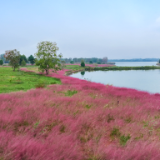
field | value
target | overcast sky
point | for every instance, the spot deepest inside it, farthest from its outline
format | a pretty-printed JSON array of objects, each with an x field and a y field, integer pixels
[{"x": 82, "y": 28}]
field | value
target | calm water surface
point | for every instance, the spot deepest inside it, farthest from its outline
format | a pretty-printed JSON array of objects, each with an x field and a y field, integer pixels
[
  {"x": 138, "y": 79},
  {"x": 135, "y": 63}
]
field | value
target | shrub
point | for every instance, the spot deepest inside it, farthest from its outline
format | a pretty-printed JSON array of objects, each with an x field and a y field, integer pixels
[
  {"x": 82, "y": 64},
  {"x": 72, "y": 62}
]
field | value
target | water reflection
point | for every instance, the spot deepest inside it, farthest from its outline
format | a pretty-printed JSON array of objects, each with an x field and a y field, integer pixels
[{"x": 83, "y": 73}]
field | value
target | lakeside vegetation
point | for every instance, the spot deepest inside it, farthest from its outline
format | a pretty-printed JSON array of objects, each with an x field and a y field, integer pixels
[
  {"x": 123, "y": 68},
  {"x": 74, "y": 67},
  {"x": 18, "y": 80},
  {"x": 77, "y": 68},
  {"x": 14, "y": 81}
]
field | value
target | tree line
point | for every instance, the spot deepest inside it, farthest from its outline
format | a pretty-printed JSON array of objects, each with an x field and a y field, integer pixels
[
  {"x": 22, "y": 60},
  {"x": 46, "y": 57},
  {"x": 103, "y": 60}
]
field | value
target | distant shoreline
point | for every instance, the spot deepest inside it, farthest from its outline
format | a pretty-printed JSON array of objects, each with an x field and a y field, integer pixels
[{"x": 135, "y": 60}]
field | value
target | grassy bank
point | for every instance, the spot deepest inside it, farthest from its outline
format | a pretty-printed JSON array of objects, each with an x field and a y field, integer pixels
[
  {"x": 14, "y": 81},
  {"x": 115, "y": 68},
  {"x": 77, "y": 68},
  {"x": 74, "y": 67}
]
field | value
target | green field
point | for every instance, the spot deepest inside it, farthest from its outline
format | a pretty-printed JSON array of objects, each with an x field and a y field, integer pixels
[
  {"x": 73, "y": 67},
  {"x": 11, "y": 81}
]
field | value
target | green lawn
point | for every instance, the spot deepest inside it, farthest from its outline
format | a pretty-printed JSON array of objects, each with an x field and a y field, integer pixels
[
  {"x": 11, "y": 81},
  {"x": 74, "y": 67}
]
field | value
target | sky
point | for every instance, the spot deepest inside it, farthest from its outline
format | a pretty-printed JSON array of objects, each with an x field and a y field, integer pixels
[{"x": 117, "y": 29}]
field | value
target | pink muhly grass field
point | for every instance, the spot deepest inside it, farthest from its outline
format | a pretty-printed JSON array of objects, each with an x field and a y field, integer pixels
[{"x": 79, "y": 120}]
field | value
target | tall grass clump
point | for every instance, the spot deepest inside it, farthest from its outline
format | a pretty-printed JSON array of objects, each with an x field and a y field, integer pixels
[{"x": 70, "y": 93}]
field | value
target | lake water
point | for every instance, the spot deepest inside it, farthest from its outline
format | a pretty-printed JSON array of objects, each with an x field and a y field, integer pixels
[
  {"x": 135, "y": 63},
  {"x": 138, "y": 79}
]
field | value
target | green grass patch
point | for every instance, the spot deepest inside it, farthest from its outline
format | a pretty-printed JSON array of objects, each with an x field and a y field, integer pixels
[
  {"x": 123, "y": 139},
  {"x": 73, "y": 67},
  {"x": 115, "y": 133},
  {"x": 11, "y": 81},
  {"x": 70, "y": 93}
]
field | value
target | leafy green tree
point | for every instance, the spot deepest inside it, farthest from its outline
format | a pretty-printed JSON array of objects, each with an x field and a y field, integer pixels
[
  {"x": 31, "y": 59},
  {"x": 23, "y": 63},
  {"x": 13, "y": 56},
  {"x": 47, "y": 58},
  {"x": 22, "y": 57},
  {"x": 1, "y": 62},
  {"x": 82, "y": 63},
  {"x": 72, "y": 62},
  {"x": 90, "y": 62}
]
